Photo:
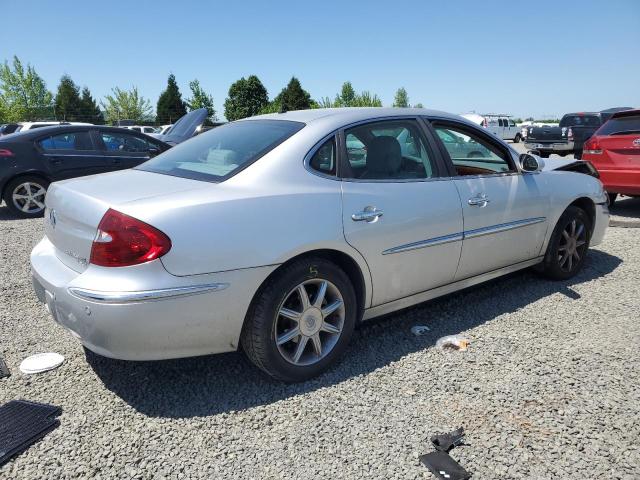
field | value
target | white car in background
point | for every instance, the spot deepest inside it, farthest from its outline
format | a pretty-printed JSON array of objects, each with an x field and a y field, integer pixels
[
  {"x": 143, "y": 129},
  {"x": 24, "y": 126},
  {"x": 501, "y": 125}
]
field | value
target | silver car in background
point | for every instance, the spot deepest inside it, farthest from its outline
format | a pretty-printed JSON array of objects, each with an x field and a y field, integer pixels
[{"x": 279, "y": 233}]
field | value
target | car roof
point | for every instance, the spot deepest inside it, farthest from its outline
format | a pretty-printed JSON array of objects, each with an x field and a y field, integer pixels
[
  {"x": 36, "y": 132},
  {"x": 352, "y": 114}
]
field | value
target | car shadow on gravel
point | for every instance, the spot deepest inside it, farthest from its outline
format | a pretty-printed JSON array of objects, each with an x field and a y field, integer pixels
[
  {"x": 6, "y": 214},
  {"x": 625, "y": 212},
  {"x": 203, "y": 386}
]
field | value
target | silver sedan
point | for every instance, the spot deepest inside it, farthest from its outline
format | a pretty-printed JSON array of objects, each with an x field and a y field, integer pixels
[{"x": 276, "y": 235}]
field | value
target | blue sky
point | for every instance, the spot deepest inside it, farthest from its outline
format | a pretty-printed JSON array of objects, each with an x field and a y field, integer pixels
[{"x": 535, "y": 57}]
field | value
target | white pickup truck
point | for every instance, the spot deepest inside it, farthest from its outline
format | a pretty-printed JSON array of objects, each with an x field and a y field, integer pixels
[{"x": 501, "y": 125}]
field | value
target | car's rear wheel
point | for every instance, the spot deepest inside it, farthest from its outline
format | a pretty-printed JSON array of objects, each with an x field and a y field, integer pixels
[
  {"x": 24, "y": 196},
  {"x": 517, "y": 138},
  {"x": 568, "y": 246},
  {"x": 612, "y": 198},
  {"x": 301, "y": 321}
]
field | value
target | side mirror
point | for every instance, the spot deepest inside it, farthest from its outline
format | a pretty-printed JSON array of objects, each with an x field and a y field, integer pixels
[{"x": 531, "y": 163}]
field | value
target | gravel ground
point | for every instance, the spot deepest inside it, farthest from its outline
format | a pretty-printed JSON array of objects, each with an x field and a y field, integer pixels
[{"x": 547, "y": 389}]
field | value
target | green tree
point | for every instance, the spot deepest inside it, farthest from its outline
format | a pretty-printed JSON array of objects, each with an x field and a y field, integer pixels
[
  {"x": 89, "y": 110},
  {"x": 170, "y": 105},
  {"x": 401, "y": 99},
  {"x": 418, "y": 105},
  {"x": 349, "y": 98},
  {"x": 23, "y": 92},
  {"x": 67, "y": 101},
  {"x": 126, "y": 105},
  {"x": 200, "y": 99},
  {"x": 293, "y": 97},
  {"x": 247, "y": 97}
]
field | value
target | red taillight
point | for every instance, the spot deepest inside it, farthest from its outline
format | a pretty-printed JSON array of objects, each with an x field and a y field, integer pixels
[
  {"x": 5, "y": 152},
  {"x": 123, "y": 240},
  {"x": 592, "y": 146}
]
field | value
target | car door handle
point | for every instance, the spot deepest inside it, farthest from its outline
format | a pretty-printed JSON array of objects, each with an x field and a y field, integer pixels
[
  {"x": 369, "y": 214},
  {"x": 479, "y": 201},
  {"x": 55, "y": 160}
]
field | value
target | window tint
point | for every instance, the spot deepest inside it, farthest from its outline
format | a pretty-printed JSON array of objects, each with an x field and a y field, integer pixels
[
  {"x": 621, "y": 125},
  {"x": 122, "y": 142},
  {"x": 390, "y": 150},
  {"x": 67, "y": 141},
  {"x": 472, "y": 155},
  {"x": 324, "y": 160},
  {"x": 512, "y": 123},
  {"x": 220, "y": 152},
  {"x": 580, "y": 120}
]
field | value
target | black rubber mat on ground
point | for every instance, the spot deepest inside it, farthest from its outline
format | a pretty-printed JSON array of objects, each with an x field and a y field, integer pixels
[
  {"x": 22, "y": 424},
  {"x": 4, "y": 370}
]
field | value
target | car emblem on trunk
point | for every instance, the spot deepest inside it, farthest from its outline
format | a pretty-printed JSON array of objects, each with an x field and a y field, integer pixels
[
  {"x": 636, "y": 142},
  {"x": 52, "y": 218}
]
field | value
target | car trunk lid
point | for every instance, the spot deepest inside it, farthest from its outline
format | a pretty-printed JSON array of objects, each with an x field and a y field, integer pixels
[{"x": 75, "y": 207}]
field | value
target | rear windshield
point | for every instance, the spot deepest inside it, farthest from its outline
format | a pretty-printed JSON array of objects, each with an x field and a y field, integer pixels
[
  {"x": 219, "y": 153},
  {"x": 621, "y": 125},
  {"x": 580, "y": 121}
]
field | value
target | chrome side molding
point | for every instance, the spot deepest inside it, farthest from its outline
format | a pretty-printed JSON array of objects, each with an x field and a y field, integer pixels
[
  {"x": 144, "y": 295},
  {"x": 456, "y": 237}
]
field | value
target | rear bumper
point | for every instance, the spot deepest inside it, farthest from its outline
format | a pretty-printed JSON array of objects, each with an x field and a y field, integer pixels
[
  {"x": 625, "y": 182},
  {"x": 152, "y": 315},
  {"x": 559, "y": 147}
]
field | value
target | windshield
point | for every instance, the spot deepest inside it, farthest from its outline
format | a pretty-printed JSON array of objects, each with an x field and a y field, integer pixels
[
  {"x": 621, "y": 125},
  {"x": 219, "y": 153},
  {"x": 580, "y": 121}
]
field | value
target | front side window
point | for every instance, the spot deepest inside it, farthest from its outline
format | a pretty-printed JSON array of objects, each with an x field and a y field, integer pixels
[
  {"x": 389, "y": 150},
  {"x": 219, "y": 153},
  {"x": 122, "y": 142},
  {"x": 471, "y": 154},
  {"x": 324, "y": 159},
  {"x": 67, "y": 141}
]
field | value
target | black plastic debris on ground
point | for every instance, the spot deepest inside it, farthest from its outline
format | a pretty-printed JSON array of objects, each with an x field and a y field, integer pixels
[
  {"x": 4, "y": 370},
  {"x": 440, "y": 462},
  {"x": 22, "y": 424}
]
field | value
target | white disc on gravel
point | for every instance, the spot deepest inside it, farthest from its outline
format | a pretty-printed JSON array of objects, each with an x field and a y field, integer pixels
[{"x": 41, "y": 362}]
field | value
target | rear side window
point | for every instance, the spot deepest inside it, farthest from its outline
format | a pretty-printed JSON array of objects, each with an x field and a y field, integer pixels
[
  {"x": 387, "y": 150},
  {"x": 122, "y": 142},
  {"x": 324, "y": 160},
  {"x": 220, "y": 153},
  {"x": 67, "y": 141},
  {"x": 628, "y": 124},
  {"x": 580, "y": 121}
]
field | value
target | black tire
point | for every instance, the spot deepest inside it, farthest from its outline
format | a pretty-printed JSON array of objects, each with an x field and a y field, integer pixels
[
  {"x": 544, "y": 154},
  {"x": 15, "y": 186},
  {"x": 517, "y": 138},
  {"x": 258, "y": 338},
  {"x": 612, "y": 198},
  {"x": 554, "y": 264},
  {"x": 578, "y": 155}
]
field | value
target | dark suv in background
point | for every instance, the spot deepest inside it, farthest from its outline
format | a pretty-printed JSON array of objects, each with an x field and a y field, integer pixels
[{"x": 31, "y": 160}]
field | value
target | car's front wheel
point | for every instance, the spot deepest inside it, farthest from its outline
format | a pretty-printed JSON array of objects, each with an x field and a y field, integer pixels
[
  {"x": 568, "y": 245},
  {"x": 25, "y": 196},
  {"x": 517, "y": 138},
  {"x": 301, "y": 320}
]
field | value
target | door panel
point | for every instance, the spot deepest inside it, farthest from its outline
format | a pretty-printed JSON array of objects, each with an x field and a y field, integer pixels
[
  {"x": 508, "y": 229},
  {"x": 415, "y": 245},
  {"x": 71, "y": 154}
]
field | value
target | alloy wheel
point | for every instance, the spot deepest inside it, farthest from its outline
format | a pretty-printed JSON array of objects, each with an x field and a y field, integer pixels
[
  {"x": 28, "y": 197},
  {"x": 572, "y": 245},
  {"x": 309, "y": 322}
]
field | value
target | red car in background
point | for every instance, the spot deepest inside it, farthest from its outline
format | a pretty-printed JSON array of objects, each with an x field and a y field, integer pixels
[{"x": 615, "y": 152}]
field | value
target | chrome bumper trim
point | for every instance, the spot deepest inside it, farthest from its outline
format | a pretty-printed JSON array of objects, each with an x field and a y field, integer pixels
[{"x": 146, "y": 295}]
